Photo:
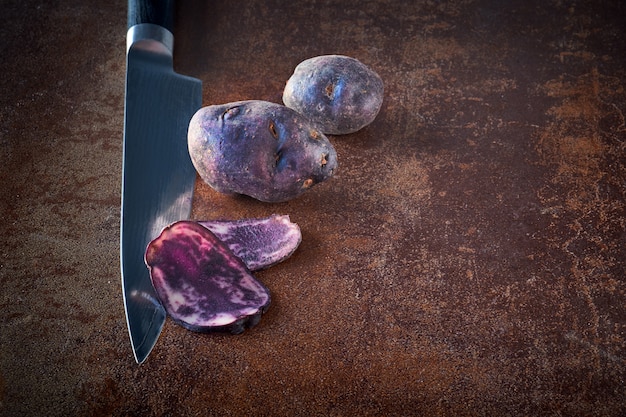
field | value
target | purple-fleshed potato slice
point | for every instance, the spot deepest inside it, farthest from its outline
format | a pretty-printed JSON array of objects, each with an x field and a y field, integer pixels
[
  {"x": 259, "y": 243},
  {"x": 202, "y": 285}
]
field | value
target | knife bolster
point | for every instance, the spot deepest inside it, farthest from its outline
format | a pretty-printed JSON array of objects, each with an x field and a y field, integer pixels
[{"x": 150, "y": 37}]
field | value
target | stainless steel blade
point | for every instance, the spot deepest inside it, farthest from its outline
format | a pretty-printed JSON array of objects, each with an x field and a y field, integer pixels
[{"x": 157, "y": 176}]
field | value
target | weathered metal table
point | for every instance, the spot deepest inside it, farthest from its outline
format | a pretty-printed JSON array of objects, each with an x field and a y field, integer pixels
[{"x": 467, "y": 259}]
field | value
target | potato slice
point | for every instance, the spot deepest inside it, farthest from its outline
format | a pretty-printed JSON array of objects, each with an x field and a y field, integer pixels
[
  {"x": 259, "y": 243},
  {"x": 201, "y": 284}
]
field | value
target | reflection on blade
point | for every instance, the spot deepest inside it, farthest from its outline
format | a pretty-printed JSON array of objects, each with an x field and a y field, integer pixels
[
  {"x": 157, "y": 178},
  {"x": 140, "y": 296}
]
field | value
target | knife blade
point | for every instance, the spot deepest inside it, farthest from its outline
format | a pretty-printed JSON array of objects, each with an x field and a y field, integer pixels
[{"x": 157, "y": 174}]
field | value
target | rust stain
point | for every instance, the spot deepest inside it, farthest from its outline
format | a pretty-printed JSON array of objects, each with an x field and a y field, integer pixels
[
  {"x": 584, "y": 152},
  {"x": 406, "y": 178},
  {"x": 575, "y": 142}
]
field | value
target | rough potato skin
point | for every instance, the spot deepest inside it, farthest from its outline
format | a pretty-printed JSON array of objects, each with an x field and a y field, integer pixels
[
  {"x": 260, "y": 149},
  {"x": 338, "y": 93}
]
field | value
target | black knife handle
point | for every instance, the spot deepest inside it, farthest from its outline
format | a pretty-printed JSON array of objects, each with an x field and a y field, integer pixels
[{"x": 158, "y": 12}]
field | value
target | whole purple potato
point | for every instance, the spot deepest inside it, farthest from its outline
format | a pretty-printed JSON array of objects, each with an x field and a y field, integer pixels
[
  {"x": 338, "y": 93},
  {"x": 261, "y": 149}
]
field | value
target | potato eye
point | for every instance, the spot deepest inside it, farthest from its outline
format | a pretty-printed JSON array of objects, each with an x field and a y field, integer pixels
[
  {"x": 273, "y": 129},
  {"x": 277, "y": 156},
  {"x": 330, "y": 90},
  {"x": 231, "y": 112},
  {"x": 308, "y": 183}
]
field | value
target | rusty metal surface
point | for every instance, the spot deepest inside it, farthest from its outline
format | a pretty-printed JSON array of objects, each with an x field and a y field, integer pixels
[{"x": 467, "y": 259}]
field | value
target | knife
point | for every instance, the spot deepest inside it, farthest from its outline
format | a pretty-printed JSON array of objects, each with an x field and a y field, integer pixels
[{"x": 157, "y": 174}]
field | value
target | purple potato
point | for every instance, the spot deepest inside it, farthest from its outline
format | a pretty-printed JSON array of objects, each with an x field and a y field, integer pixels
[
  {"x": 260, "y": 149},
  {"x": 338, "y": 93},
  {"x": 259, "y": 243},
  {"x": 201, "y": 284}
]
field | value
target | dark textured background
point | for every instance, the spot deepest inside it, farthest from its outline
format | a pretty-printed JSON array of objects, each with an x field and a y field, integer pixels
[{"x": 467, "y": 259}]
